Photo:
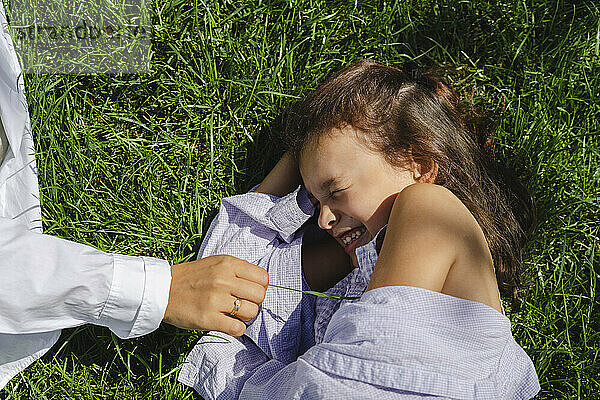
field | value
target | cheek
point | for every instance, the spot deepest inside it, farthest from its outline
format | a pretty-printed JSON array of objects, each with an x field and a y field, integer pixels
[
  {"x": 358, "y": 208},
  {"x": 381, "y": 214},
  {"x": 385, "y": 197}
]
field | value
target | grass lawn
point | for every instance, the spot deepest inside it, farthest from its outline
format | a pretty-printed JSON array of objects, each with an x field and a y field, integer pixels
[{"x": 137, "y": 163}]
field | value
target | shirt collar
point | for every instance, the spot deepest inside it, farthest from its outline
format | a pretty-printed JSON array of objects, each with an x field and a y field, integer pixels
[{"x": 367, "y": 254}]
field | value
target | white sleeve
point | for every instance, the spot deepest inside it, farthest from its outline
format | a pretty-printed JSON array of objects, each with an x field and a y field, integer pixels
[{"x": 49, "y": 283}]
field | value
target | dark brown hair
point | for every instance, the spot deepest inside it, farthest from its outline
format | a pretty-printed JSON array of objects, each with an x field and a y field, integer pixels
[{"x": 402, "y": 113}]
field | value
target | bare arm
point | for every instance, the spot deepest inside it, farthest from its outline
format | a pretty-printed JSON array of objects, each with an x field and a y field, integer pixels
[
  {"x": 434, "y": 242},
  {"x": 283, "y": 178},
  {"x": 420, "y": 243}
]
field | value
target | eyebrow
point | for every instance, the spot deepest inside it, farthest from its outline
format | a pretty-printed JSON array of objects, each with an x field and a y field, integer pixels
[{"x": 326, "y": 186}]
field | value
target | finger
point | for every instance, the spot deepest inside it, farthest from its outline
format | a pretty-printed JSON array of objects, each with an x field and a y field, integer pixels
[
  {"x": 229, "y": 325},
  {"x": 249, "y": 290},
  {"x": 247, "y": 310},
  {"x": 252, "y": 273}
]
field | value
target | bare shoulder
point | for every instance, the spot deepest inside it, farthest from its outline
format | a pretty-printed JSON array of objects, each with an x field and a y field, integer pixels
[
  {"x": 435, "y": 207},
  {"x": 429, "y": 198},
  {"x": 428, "y": 230}
]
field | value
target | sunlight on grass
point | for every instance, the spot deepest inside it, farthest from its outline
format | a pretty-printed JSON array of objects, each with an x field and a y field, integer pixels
[{"x": 137, "y": 163}]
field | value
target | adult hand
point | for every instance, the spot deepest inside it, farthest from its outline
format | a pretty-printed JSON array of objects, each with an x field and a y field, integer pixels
[{"x": 203, "y": 293}]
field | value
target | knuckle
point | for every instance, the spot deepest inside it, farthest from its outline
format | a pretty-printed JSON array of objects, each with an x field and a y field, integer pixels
[
  {"x": 212, "y": 300},
  {"x": 253, "y": 310},
  {"x": 226, "y": 264},
  {"x": 226, "y": 259},
  {"x": 238, "y": 328},
  {"x": 217, "y": 283},
  {"x": 218, "y": 261}
]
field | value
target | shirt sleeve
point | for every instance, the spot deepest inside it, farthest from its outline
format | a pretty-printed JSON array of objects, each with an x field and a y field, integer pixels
[
  {"x": 49, "y": 283},
  {"x": 264, "y": 230},
  {"x": 250, "y": 224}
]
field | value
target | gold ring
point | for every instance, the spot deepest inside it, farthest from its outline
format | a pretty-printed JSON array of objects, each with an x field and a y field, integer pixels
[{"x": 236, "y": 306}]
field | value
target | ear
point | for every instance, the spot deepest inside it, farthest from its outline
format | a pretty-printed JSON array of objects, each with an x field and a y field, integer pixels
[{"x": 424, "y": 171}]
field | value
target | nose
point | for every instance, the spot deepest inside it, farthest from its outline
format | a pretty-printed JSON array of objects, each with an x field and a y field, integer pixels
[{"x": 327, "y": 218}]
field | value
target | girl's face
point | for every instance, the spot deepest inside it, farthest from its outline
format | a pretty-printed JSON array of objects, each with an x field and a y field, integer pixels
[{"x": 354, "y": 187}]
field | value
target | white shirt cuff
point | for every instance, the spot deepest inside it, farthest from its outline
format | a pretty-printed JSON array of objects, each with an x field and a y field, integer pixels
[
  {"x": 156, "y": 296},
  {"x": 138, "y": 295}
]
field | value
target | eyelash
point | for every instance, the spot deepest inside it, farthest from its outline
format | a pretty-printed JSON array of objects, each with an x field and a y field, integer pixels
[{"x": 333, "y": 193}]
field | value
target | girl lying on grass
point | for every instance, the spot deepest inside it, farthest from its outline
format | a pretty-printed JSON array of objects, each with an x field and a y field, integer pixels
[{"x": 422, "y": 227}]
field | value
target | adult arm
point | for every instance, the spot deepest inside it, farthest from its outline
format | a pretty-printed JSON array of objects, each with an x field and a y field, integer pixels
[{"x": 49, "y": 283}]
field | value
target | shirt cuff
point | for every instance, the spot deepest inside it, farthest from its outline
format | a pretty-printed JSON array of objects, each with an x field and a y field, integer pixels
[
  {"x": 138, "y": 295},
  {"x": 156, "y": 296},
  {"x": 290, "y": 212}
]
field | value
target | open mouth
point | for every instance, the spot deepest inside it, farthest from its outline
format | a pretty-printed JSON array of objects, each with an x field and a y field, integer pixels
[{"x": 351, "y": 238}]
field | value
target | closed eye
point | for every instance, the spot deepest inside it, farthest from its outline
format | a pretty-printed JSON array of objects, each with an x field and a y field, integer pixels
[{"x": 336, "y": 193}]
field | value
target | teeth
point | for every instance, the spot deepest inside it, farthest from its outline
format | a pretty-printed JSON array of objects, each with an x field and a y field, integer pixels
[{"x": 350, "y": 238}]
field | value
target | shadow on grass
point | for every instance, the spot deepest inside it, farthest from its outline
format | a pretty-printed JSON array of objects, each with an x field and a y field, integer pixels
[
  {"x": 262, "y": 154},
  {"x": 484, "y": 32},
  {"x": 142, "y": 365},
  {"x": 142, "y": 361}
]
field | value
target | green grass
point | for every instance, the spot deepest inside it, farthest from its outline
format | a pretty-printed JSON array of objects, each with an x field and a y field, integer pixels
[{"x": 137, "y": 163}]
